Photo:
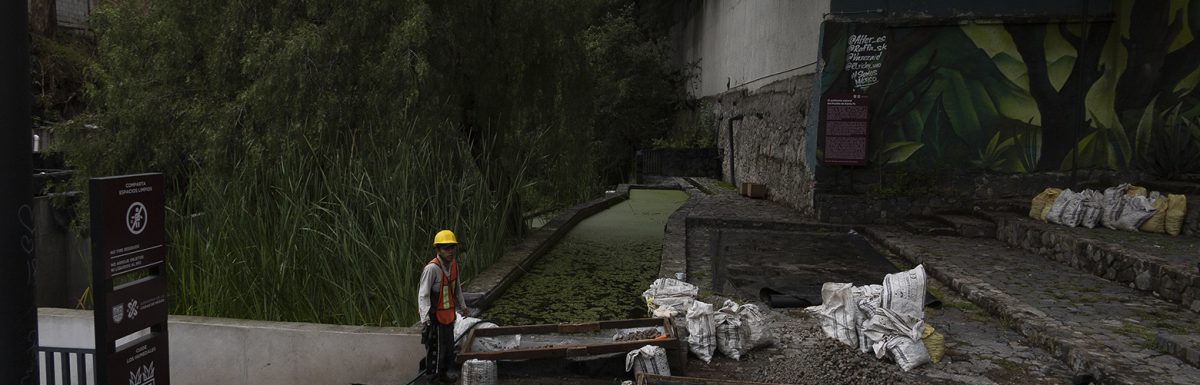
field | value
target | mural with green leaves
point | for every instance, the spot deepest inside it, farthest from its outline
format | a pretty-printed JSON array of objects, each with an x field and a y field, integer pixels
[{"x": 1020, "y": 96}]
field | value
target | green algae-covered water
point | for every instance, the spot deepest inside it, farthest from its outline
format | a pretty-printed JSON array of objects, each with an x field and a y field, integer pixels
[{"x": 598, "y": 270}]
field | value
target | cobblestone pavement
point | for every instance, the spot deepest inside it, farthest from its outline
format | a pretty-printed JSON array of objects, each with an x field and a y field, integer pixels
[{"x": 1093, "y": 321}]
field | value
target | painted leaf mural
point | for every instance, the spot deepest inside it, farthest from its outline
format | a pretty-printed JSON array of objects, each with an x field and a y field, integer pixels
[{"x": 1031, "y": 96}]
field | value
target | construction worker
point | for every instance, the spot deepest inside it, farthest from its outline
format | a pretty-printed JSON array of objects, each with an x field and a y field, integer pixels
[{"x": 438, "y": 298}]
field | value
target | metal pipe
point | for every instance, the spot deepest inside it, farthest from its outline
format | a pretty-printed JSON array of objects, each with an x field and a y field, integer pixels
[{"x": 18, "y": 268}]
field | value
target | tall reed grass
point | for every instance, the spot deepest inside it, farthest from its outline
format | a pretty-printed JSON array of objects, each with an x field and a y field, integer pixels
[{"x": 335, "y": 236}]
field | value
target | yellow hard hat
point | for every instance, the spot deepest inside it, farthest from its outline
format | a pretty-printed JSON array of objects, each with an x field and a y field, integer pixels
[{"x": 444, "y": 237}]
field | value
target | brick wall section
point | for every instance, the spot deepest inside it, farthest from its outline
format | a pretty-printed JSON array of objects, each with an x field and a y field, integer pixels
[{"x": 769, "y": 141}]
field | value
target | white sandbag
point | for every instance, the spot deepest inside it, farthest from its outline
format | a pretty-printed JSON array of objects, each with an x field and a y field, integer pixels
[
  {"x": 867, "y": 298},
  {"x": 665, "y": 311},
  {"x": 838, "y": 312},
  {"x": 904, "y": 293},
  {"x": 1093, "y": 208},
  {"x": 908, "y": 353},
  {"x": 728, "y": 326},
  {"x": 1059, "y": 206},
  {"x": 895, "y": 327},
  {"x": 754, "y": 327},
  {"x": 1112, "y": 202},
  {"x": 1072, "y": 211},
  {"x": 702, "y": 339},
  {"x": 479, "y": 372},
  {"x": 1135, "y": 211},
  {"x": 670, "y": 292},
  {"x": 484, "y": 344},
  {"x": 649, "y": 359}
]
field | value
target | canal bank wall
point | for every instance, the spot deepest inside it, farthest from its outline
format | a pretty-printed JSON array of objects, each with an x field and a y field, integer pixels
[{"x": 209, "y": 350}]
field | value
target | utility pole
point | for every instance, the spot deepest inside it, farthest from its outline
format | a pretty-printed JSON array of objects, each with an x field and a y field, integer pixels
[{"x": 18, "y": 268}]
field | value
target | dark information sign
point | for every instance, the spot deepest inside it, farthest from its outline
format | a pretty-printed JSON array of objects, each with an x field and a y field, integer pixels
[
  {"x": 127, "y": 227},
  {"x": 847, "y": 123},
  {"x": 141, "y": 362},
  {"x": 129, "y": 236},
  {"x": 136, "y": 306}
]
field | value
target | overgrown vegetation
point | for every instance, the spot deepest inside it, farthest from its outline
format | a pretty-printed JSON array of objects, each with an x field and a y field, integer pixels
[{"x": 313, "y": 147}]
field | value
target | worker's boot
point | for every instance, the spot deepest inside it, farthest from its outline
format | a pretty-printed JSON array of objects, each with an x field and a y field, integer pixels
[{"x": 447, "y": 378}]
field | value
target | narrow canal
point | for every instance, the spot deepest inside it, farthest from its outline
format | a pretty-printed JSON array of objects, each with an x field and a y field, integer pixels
[{"x": 599, "y": 269}]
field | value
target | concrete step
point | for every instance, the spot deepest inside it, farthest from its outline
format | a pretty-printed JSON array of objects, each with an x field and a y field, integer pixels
[
  {"x": 1156, "y": 263},
  {"x": 969, "y": 226},
  {"x": 927, "y": 226},
  {"x": 1094, "y": 325}
]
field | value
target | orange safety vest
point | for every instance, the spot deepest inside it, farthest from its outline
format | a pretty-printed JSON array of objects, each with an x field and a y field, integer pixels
[{"x": 444, "y": 309}]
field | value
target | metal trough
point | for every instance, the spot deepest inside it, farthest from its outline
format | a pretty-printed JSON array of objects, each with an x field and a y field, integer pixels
[
  {"x": 654, "y": 379},
  {"x": 566, "y": 350}
]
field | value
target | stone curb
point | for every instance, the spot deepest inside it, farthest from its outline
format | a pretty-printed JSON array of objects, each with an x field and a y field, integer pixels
[
  {"x": 1110, "y": 261},
  {"x": 1180, "y": 347},
  {"x": 674, "y": 251},
  {"x": 515, "y": 261},
  {"x": 1034, "y": 324},
  {"x": 766, "y": 225}
]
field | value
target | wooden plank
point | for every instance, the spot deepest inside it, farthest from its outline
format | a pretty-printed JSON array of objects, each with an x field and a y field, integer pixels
[{"x": 655, "y": 379}]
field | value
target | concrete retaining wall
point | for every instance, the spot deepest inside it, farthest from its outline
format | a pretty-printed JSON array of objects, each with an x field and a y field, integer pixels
[
  {"x": 208, "y": 350},
  {"x": 746, "y": 43}
]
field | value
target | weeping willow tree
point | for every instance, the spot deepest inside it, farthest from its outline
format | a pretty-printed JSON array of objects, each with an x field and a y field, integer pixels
[{"x": 312, "y": 148}]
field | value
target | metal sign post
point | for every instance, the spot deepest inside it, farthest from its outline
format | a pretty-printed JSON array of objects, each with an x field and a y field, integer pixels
[
  {"x": 128, "y": 236},
  {"x": 18, "y": 268}
]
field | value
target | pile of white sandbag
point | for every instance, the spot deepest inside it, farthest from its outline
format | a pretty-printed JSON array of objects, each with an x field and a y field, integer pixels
[
  {"x": 1125, "y": 207},
  {"x": 483, "y": 344},
  {"x": 887, "y": 320},
  {"x": 732, "y": 329}
]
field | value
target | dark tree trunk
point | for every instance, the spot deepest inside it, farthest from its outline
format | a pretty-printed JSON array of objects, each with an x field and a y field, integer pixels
[{"x": 1062, "y": 110}]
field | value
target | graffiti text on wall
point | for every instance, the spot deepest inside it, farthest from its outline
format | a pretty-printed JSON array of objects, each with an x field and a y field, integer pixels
[{"x": 864, "y": 56}]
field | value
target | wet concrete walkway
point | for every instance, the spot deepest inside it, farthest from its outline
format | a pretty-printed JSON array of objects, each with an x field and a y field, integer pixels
[{"x": 1101, "y": 326}]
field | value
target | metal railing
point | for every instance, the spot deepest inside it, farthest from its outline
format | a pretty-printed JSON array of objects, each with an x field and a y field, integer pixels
[{"x": 65, "y": 366}]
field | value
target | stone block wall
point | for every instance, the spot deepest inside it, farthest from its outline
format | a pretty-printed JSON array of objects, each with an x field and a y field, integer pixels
[
  {"x": 762, "y": 139},
  {"x": 705, "y": 162}
]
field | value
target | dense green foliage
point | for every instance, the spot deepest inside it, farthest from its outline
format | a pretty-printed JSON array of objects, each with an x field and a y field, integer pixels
[{"x": 313, "y": 147}]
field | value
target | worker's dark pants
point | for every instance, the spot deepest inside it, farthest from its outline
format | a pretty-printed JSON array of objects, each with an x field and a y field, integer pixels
[{"x": 445, "y": 345}]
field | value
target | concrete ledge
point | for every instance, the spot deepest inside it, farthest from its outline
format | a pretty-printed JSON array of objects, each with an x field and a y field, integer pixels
[
  {"x": 1108, "y": 260},
  {"x": 207, "y": 350},
  {"x": 1186, "y": 347},
  {"x": 674, "y": 251},
  {"x": 1048, "y": 333},
  {"x": 516, "y": 261},
  {"x": 767, "y": 225}
]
